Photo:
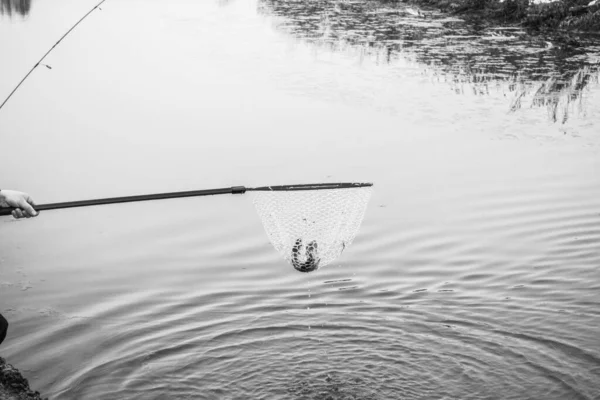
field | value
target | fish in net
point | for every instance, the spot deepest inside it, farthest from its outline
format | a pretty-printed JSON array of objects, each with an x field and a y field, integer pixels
[{"x": 310, "y": 228}]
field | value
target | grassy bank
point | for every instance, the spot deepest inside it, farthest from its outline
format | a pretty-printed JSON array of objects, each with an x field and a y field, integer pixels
[{"x": 573, "y": 16}]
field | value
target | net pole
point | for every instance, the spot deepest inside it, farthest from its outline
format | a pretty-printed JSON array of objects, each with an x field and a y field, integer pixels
[
  {"x": 129, "y": 199},
  {"x": 191, "y": 193}
]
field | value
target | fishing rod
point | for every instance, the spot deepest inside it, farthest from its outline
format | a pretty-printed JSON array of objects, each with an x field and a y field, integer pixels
[
  {"x": 48, "y": 52},
  {"x": 190, "y": 193}
]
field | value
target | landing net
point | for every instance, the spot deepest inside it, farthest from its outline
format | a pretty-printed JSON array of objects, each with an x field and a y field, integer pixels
[{"x": 310, "y": 228}]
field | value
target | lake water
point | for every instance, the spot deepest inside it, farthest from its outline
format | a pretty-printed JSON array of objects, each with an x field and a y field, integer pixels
[{"x": 476, "y": 272}]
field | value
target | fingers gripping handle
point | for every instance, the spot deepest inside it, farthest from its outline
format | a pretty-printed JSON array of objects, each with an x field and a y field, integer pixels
[{"x": 9, "y": 210}]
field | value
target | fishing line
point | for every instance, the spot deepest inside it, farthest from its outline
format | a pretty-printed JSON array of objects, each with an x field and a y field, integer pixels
[{"x": 48, "y": 52}]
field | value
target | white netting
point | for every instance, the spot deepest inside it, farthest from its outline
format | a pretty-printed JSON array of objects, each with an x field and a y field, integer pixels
[{"x": 311, "y": 228}]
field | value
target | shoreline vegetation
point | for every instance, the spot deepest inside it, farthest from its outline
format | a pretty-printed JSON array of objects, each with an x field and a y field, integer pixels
[
  {"x": 571, "y": 25},
  {"x": 13, "y": 386},
  {"x": 565, "y": 18}
]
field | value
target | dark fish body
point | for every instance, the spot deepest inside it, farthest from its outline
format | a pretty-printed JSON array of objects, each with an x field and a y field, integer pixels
[{"x": 311, "y": 258}]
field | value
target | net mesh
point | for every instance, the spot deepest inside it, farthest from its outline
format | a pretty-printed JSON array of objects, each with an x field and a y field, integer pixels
[{"x": 311, "y": 228}]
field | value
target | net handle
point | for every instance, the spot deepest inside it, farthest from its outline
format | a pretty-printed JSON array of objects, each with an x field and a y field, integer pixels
[{"x": 191, "y": 193}]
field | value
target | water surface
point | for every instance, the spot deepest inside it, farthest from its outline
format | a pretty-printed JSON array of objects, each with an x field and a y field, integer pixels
[{"x": 474, "y": 276}]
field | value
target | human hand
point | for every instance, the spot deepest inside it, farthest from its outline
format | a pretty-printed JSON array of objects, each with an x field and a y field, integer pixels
[{"x": 21, "y": 201}]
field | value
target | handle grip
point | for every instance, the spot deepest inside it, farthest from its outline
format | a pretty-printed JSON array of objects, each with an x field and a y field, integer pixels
[{"x": 6, "y": 210}]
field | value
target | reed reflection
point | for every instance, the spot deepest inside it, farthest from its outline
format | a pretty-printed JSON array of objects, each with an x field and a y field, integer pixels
[
  {"x": 10, "y": 7},
  {"x": 532, "y": 71}
]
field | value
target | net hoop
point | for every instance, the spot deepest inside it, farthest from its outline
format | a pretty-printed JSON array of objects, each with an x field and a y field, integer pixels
[{"x": 311, "y": 186}]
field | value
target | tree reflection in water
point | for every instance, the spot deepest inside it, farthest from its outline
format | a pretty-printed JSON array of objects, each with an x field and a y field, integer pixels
[
  {"x": 10, "y": 7},
  {"x": 562, "y": 95},
  {"x": 532, "y": 70}
]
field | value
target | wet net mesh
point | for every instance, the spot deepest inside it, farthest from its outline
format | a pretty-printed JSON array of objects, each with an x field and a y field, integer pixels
[{"x": 311, "y": 228}]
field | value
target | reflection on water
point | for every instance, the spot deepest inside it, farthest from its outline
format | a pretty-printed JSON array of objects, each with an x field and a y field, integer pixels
[
  {"x": 474, "y": 276},
  {"x": 532, "y": 71},
  {"x": 560, "y": 95},
  {"x": 9, "y": 7}
]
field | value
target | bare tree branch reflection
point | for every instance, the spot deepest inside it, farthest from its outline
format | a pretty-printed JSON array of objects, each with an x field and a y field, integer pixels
[
  {"x": 10, "y": 7},
  {"x": 472, "y": 60}
]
